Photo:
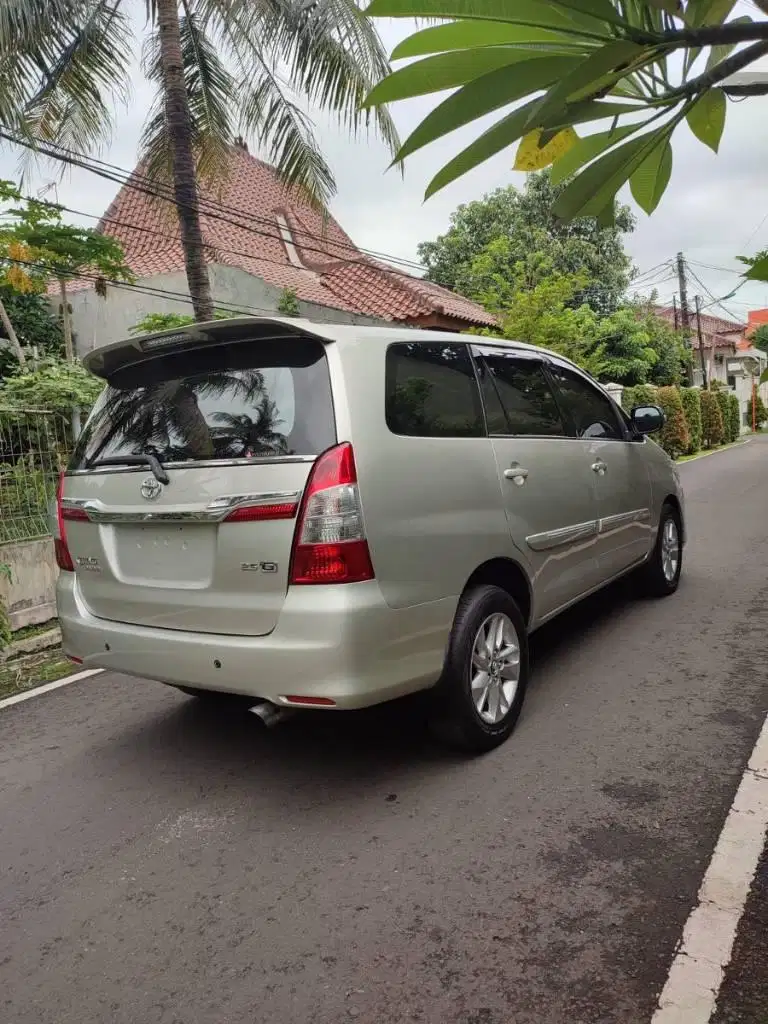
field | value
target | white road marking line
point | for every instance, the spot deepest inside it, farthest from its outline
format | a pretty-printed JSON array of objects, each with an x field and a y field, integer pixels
[
  {"x": 696, "y": 975},
  {"x": 47, "y": 687}
]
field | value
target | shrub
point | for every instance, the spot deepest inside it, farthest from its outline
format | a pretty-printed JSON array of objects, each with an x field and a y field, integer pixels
[
  {"x": 711, "y": 420},
  {"x": 289, "y": 303},
  {"x": 691, "y": 399},
  {"x": 725, "y": 411},
  {"x": 761, "y": 412},
  {"x": 5, "y": 624},
  {"x": 674, "y": 437},
  {"x": 640, "y": 394},
  {"x": 734, "y": 417}
]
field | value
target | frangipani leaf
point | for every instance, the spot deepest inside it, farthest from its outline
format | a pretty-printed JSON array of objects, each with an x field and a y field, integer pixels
[
  {"x": 649, "y": 181},
  {"x": 706, "y": 118},
  {"x": 531, "y": 156}
]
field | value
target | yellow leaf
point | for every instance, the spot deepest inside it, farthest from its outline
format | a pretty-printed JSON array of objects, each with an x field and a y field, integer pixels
[
  {"x": 19, "y": 280},
  {"x": 531, "y": 157}
]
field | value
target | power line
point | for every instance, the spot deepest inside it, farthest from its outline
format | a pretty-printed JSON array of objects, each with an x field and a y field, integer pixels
[{"x": 207, "y": 207}]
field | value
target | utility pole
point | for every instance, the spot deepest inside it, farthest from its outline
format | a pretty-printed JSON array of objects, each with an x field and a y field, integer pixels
[
  {"x": 684, "y": 314},
  {"x": 674, "y": 311},
  {"x": 702, "y": 360}
]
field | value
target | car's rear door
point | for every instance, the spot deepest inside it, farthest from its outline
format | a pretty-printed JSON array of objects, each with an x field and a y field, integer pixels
[
  {"x": 620, "y": 476},
  {"x": 545, "y": 476},
  {"x": 236, "y": 425}
]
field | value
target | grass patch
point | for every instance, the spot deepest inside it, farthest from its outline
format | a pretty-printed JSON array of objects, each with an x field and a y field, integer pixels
[
  {"x": 709, "y": 451},
  {"x": 27, "y": 673},
  {"x": 26, "y": 632}
]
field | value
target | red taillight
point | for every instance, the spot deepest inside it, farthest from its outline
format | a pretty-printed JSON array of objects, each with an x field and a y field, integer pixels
[
  {"x": 258, "y": 513},
  {"x": 320, "y": 702},
  {"x": 63, "y": 557},
  {"x": 330, "y": 544}
]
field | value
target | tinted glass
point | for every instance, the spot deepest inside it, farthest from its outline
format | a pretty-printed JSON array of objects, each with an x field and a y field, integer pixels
[
  {"x": 518, "y": 397},
  {"x": 431, "y": 391},
  {"x": 240, "y": 400},
  {"x": 591, "y": 412}
]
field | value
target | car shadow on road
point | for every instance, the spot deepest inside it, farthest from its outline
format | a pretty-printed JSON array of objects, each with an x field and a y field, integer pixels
[{"x": 208, "y": 739}]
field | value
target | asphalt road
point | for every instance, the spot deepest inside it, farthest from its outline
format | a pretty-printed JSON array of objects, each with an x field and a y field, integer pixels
[{"x": 164, "y": 863}]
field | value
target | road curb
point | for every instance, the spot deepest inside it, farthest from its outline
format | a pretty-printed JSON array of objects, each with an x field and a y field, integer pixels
[
  {"x": 716, "y": 451},
  {"x": 47, "y": 687}
]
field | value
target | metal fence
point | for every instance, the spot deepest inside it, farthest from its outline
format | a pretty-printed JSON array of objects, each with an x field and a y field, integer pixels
[{"x": 34, "y": 447}]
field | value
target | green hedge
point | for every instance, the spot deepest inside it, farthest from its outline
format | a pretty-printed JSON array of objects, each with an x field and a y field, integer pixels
[
  {"x": 711, "y": 420},
  {"x": 734, "y": 417},
  {"x": 762, "y": 412},
  {"x": 691, "y": 399},
  {"x": 673, "y": 437}
]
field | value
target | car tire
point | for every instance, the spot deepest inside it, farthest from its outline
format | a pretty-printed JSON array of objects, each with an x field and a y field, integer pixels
[
  {"x": 470, "y": 712},
  {"x": 660, "y": 576}
]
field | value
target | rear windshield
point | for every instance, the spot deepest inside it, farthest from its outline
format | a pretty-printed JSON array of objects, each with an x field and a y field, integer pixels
[{"x": 239, "y": 400}]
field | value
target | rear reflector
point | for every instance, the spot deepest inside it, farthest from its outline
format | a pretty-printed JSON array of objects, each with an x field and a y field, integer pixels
[
  {"x": 330, "y": 545},
  {"x": 324, "y": 702},
  {"x": 259, "y": 513},
  {"x": 71, "y": 657},
  {"x": 74, "y": 515}
]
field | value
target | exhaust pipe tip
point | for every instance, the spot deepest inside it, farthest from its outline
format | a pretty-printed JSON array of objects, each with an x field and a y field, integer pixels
[{"x": 270, "y": 714}]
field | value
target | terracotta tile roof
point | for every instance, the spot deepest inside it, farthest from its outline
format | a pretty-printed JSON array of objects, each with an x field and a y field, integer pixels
[
  {"x": 244, "y": 232},
  {"x": 716, "y": 331}
]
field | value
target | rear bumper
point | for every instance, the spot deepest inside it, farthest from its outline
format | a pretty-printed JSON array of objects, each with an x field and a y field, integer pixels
[{"x": 343, "y": 643}]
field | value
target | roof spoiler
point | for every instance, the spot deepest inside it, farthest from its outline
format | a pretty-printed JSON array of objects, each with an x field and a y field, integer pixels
[{"x": 105, "y": 361}]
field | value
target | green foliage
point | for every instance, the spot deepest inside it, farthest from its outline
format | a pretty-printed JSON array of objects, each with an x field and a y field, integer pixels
[
  {"x": 674, "y": 437},
  {"x": 712, "y": 428},
  {"x": 691, "y": 399},
  {"x": 511, "y": 234},
  {"x": 34, "y": 323},
  {"x": 734, "y": 418},
  {"x": 5, "y": 624},
  {"x": 761, "y": 413},
  {"x": 54, "y": 384},
  {"x": 572, "y": 63},
  {"x": 721, "y": 394},
  {"x": 760, "y": 338},
  {"x": 641, "y": 394},
  {"x": 152, "y": 322},
  {"x": 289, "y": 303},
  {"x": 68, "y": 69}
]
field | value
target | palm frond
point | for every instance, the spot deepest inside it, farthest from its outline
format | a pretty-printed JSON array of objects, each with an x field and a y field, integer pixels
[
  {"x": 65, "y": 63},
  {"x": 329, "y": 52},
  {"x": 209, "y": 91}
]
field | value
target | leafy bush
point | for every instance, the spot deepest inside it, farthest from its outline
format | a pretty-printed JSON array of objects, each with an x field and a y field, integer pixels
[
  {"x": 725, "y": 411},
  {"x": 289, "y": 303},
  {"x": 711, "y": 420},
  {"x": 734, "y": 418},
  {"x": 691, "y": 399},
  {"x": 674, "y": 437},
  {"x": 761, "y": 413},
  {"x": 166, "y": 321},
  {"x": 53, "y": 384},
  {"x": 5, "y": 623},
  {"x": 640, "y": 394}
]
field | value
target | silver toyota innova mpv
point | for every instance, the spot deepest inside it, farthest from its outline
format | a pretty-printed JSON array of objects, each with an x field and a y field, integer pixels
[{"x": 324, "y": 516}]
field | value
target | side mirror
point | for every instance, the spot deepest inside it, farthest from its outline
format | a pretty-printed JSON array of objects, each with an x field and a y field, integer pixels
[{"x": 647, "y": 419}]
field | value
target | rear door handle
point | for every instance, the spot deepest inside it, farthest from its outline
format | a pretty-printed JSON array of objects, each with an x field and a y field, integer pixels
[
  {"x": 516, "y": 473},
  {"x": 599, "y": 467}
]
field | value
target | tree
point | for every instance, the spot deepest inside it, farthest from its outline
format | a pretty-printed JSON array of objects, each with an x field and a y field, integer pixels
[
  {"x": 674, "y": 437},
  {"x": 221, "y": 67},
  {"x": 34, "y": 325},
  {"x": 641, "y": 67},
  {"x": 37, "y": 245},
  {"x": 761, "y": 413},
  {"x": 534, "y": 238},
  {"x": 712, "y": 426},
  {"x": 691, "y": 399},
  {"x": 760, "y": 338}
]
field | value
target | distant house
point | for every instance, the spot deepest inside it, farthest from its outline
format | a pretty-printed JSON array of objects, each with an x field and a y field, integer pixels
[
  {"x": 261, "y": 239},
  {"x": 728, "y": 355}
]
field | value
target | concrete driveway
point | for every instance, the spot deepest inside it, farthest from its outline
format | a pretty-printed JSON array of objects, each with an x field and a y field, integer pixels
[{"x": 165, "y": 863}]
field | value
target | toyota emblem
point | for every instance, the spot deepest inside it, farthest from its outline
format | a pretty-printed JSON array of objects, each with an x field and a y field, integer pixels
[{"x": 151, "y": 489}]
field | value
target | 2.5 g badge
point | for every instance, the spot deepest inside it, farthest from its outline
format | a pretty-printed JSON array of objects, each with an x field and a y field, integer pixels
[{"x": 259, "y": 566}]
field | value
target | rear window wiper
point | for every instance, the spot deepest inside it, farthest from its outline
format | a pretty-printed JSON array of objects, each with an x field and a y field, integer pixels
[{"x": 133, "y": 460}]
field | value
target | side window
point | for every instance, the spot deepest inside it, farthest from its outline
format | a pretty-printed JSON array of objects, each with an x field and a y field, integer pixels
[
  {"x": 591, "y": 412},
  {"x": 431, "y": 391},
  {"x": 518, "y": 396}
]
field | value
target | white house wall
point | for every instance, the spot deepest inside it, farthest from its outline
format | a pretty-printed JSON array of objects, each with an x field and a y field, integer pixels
[{"x": 97, "y": 321}]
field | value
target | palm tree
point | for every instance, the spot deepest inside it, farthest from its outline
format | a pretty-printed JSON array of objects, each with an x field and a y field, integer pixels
[{"x": 222, "y": 68}]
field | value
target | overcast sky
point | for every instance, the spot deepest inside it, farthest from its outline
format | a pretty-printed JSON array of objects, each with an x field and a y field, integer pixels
[{"x": 715, "y": 208}]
